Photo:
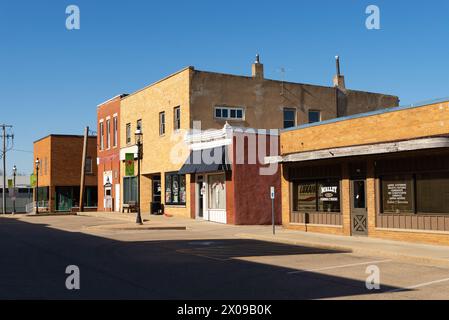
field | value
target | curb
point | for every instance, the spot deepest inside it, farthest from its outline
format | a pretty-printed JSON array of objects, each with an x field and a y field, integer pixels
[
  {"x": 124, "y": 228},
  {"x": 350, "y": 249}
]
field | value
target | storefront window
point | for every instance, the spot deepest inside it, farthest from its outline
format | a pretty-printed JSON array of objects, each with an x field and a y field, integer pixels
[
  {"x": 217, "y": 191},
  {"x": 129, "y": 189},
  {"x": 318, "y": 196},
  {"x": 432, "y": 190},
  {"x": 175, "y": 188},
  {"x": 329, "y": 196},
  {"x": 397, "y": 194}
]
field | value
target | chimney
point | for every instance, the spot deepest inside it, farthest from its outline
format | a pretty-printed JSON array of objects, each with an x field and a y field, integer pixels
[
  {"x": 257, "y": 68},
  {"x": 339, "y": 80}
]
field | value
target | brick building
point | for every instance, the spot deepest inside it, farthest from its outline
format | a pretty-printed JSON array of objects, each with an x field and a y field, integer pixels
[
  {"x": 60, "y": 159},
  {"x": 168, "y": 108},
  {"x": 108, "y": 152},
  {"x": 381, "y": 174}
]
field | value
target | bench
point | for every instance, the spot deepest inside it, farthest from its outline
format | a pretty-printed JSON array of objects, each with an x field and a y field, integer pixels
[{"x": 129, "y": 207}]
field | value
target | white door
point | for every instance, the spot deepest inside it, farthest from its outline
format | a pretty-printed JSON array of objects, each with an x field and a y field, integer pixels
[
  {"x": 117, "y": 198},
  {"x": 215, "y": 198}
]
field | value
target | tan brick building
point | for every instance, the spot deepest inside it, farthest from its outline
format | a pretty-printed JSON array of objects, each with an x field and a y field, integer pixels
[
  {"x": 380, "y": 174},
  {"x": 60, "y": 159},
  {"x": 169, "y": 107}
]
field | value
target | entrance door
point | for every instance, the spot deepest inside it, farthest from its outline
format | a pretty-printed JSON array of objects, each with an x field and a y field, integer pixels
[
  {"x": 156, "y": 200},
  {"x": 200, "y": 196},
  {"x": 359, "y": 214}
]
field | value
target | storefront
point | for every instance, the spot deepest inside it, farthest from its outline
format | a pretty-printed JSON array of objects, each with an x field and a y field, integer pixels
[
  {"x": 227, "y": 187},
  {"x": 383, "y": 174}
]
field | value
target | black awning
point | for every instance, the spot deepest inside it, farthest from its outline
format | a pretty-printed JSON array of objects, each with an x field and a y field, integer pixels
[{"x": 206, "y": 160}]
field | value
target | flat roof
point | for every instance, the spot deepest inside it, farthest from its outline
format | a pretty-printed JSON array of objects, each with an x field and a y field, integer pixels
[
  {"x": 64, "y": 136},
  {"x": 368, "y": 114}
]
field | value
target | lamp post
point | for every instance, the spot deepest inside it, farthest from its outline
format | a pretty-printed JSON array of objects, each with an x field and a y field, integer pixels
[
  {"x": 139, "y": 140},
  {"x": 14, "y": 172},
  {"x": 37, "y": 184}
]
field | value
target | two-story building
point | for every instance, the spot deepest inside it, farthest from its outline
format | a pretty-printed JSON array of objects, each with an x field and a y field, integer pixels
[{"x": 167, "y": 109}]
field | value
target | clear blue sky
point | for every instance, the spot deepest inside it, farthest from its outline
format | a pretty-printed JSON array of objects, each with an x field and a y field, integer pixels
[{"x": 51, "y": 79}]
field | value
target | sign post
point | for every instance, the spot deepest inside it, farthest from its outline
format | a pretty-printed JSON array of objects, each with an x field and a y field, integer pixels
[{"x": 272, "y": 209}]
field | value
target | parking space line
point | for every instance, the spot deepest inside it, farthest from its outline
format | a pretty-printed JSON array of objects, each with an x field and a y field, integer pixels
[
  {"x": 339, "y": 266},
  {"x": 416, "y": 286}
]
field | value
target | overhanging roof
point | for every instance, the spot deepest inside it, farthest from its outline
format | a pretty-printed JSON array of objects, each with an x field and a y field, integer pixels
[
  {"x": 206, "y": 160},
  {"x": 362, "y": 150}
]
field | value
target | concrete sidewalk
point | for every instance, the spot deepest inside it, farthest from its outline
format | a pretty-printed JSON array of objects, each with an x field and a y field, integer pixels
[
  {"x": 419, "y": 253},
  {"x": 413, "y": 252}
]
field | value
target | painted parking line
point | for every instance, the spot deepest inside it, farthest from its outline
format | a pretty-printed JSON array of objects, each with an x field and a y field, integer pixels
[
  {"x": 339, "y": 266},
  {"x": 420, "y": 285}
]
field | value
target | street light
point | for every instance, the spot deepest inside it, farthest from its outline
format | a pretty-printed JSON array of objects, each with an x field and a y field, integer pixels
[
  {"x": 37, "y": 184},
  {"x": 139, "y": 141},
  {"x": 14, "y": 172}
]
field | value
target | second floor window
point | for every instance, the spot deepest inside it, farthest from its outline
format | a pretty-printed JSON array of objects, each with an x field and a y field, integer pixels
[
  {"x": 115, "y": 136},
  {"x": 289, "y": 118},
  {"x": 101, "y": 135},
  {"x": 229, "y": 113},
  {"x": 108, "y": 134},
  {"x": 128, "y": 133},
  {"x": 161, "y": 123},
  {"x": 88, "y": 165},
  {"x": 314, "y": 116},
  {"x": 177, "y": 118}
]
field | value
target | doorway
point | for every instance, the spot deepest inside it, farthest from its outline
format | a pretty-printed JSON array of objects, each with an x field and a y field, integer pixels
[
  {"x": 359, "y": 213},
  {"x": 200, "y": 199}
]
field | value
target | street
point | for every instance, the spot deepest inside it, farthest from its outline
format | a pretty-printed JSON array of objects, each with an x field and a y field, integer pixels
[{"x": 205, "y": 261}]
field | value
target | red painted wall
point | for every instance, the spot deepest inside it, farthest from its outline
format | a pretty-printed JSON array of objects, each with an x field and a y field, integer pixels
[
  {"x": 109, "y": 159},
  {"x": 251, "y": 190}
]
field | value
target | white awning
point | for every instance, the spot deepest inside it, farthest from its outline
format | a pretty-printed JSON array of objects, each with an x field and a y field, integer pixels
[{"x": 369, "y": 149}]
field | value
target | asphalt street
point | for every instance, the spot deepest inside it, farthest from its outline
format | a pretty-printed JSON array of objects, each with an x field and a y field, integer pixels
[{"x": 206, "y": 263}]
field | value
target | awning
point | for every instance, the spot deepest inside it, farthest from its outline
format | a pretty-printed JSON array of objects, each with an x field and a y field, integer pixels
[
  {"x": 206, "y": 160},
  {"x": 369, "y": 149}
]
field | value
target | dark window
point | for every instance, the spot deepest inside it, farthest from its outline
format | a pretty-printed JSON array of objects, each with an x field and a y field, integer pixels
[
  {"x": 177, "y": 118},
  {"x": 239, "y": 113},
  {"x": 161, "y": 123},
  {"x": 289, "y": 118},
  {"x": 108, "y": 133},
  {"x": 224, "y": 113},
  {"x": 217, "y": 113},
  {"x": 316, "y": 196},
  {"x": 359, "y": 195},
  {"x": 128, "y": 133},
  {"x": 139, "y": 125},
  {"x": 129, "y": 189},
  {"x": 175, "y": 188},
  {"x": 101, "y": 135},
  {"x": 115, "y": 136},
  {"x": 314, "y": 116},
  {"x": 88, "y": 165},
  {"x": 233, "y": 113},
  {"x": 432, "y": 192}
]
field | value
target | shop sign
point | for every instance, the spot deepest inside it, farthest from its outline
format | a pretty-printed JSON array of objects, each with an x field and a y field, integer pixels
[
  {"x": 329, "y": 194},
  {"x": 397, "y": 193}
]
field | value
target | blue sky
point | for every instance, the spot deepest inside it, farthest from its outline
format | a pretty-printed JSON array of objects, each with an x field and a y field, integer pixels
[{"x": 51, "y": 79}]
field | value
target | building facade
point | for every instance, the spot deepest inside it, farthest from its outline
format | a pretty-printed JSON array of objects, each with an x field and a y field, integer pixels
[
  {"x": 59, "y": 175},
  {"x": 380, "y": 174},
  {"x": 108, "y": 152},
  {"x": 227, "y": 174},
  {"x": 23, "y": 193},
  {"x": 191, "y": 98}
]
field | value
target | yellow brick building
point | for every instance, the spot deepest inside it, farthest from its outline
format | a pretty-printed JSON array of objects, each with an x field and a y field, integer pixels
[
  {"x": 169, "y": 107},
  {"x": 380, "y": 174}
]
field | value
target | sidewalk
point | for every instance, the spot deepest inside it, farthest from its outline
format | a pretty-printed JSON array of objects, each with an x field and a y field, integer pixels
[
  {"x": 412, "y": 252},
  {"x": 419, "y": 253}
]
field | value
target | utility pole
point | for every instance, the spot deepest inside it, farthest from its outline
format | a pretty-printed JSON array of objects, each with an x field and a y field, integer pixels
[
  {"x": 4, "y": 136},
  {"x": 83, "y": 168}
]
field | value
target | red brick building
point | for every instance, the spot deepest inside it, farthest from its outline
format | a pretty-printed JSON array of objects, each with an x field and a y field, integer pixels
[
  {"x": 229, "y": 182},
  {"x": 108, "y": 152}
]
